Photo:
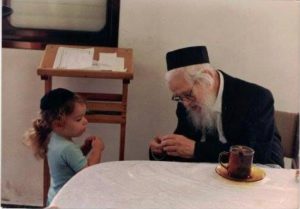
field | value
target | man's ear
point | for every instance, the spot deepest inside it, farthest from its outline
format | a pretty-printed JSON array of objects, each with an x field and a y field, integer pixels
[
  {"x": 207, "y": 76},
  {"x": 213, "y": 78},
  {"x": 209, "y": 72}
]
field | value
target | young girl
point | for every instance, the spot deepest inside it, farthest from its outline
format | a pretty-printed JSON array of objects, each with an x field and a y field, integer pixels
[{"x": 62, "y": 117}]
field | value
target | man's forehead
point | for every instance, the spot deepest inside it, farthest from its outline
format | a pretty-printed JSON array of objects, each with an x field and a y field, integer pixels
[
  {"x": 188, "y": 67},
  {"x": 179, "y": 85}
]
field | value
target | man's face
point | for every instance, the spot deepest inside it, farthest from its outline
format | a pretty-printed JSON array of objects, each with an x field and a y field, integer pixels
[
  {"x": 198, "y": 99},
  {"x": 193, "y": 95}
]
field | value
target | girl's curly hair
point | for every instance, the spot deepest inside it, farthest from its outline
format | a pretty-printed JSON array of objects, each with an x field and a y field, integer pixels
[{"x": 37, "y": 137}]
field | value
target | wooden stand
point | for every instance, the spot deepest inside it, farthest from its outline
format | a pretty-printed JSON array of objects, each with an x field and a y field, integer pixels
[{"x": 102, "y": 107}]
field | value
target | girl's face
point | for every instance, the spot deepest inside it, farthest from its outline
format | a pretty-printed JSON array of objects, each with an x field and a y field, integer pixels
[{"x": 75, "y": 124}]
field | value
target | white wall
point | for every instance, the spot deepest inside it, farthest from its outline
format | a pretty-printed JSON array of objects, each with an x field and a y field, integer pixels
[
  {"x": 255, "y": 40},
  {"x": 21, "y": 174}
]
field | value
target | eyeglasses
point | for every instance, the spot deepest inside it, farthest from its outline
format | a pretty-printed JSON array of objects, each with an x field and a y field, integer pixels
[{"x": 185, "y": 96}]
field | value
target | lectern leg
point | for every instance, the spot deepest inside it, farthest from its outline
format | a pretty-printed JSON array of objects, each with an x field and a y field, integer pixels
[
  {"x": 48, "y": 84},
  {"x": 48, "y": 87},
  {"x": 123, "y": 124},
  {"x": 122, "y": 141},
  {"x": 46, "y": 181}
]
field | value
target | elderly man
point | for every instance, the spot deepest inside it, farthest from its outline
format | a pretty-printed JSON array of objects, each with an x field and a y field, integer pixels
[{"x": 215, "y": 111}]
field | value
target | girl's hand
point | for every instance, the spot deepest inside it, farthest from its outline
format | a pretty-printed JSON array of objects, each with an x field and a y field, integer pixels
[
  {"x": 96, "y": 151},
  {"x": 97, "y": 143},
  {"x": 87, "y": 146}
]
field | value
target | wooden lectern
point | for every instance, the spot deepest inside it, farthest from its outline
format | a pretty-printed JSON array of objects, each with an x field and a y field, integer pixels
[{"x": 101, "y": 107}]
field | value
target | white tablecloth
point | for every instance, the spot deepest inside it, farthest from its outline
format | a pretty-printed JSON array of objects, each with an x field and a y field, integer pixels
[{"x": 149, "y": 184}]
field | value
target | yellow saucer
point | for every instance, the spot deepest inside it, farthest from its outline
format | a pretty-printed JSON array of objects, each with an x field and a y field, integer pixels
[{"x": 257, "y": 174}]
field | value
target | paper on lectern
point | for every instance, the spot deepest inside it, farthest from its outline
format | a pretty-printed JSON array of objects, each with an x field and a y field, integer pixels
[
  {"x": 76, "y": 58},
  {"x": 73, "y": 58},
  {"x": 110, "y": 61}
]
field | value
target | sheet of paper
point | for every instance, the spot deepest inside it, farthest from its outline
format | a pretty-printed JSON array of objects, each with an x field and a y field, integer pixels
[
  {"x": 110, "y": 61},
  {"x": 76, "y": 58},
  {"x": 73, "y": 58}
]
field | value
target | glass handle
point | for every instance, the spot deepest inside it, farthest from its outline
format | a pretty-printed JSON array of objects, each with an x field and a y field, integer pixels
[{"x": 220, "y": 159}]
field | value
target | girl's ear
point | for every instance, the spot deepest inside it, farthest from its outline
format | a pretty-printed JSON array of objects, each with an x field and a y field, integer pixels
[{"x": 57, "y": 124}]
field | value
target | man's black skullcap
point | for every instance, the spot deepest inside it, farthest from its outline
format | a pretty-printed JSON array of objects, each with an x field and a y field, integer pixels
[
  {"x": 187, "y": 56},
  {"x": 55, "y": 98}
]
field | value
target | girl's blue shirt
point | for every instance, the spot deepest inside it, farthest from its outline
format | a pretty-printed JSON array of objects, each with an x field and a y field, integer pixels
[{"x": 65, "y": 159}]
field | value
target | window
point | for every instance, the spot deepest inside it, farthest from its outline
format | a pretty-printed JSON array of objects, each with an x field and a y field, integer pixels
[{"x": 35, "y": 23}]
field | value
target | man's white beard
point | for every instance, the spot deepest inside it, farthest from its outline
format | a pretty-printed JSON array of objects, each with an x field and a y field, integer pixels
[{"x": 205, "y": 119}]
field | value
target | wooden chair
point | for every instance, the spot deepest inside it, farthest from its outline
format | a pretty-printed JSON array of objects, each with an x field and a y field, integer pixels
[{"x": 288, "y": 127}]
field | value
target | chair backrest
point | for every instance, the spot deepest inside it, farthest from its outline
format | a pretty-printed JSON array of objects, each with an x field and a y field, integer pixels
[{"x": 288, "y": 127}]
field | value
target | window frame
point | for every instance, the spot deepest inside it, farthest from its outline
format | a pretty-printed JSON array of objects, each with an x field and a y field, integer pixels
[{"x": 27, "y": 38}]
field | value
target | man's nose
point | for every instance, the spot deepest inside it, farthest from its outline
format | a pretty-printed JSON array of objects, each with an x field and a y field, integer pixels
[{"x": 187, "y": 102}]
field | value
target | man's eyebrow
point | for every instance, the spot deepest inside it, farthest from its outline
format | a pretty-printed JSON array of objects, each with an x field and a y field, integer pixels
[{"x": 184, "y": 93}]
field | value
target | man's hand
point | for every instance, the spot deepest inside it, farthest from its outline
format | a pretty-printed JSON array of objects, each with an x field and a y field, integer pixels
[
  {"x": 177, "y": 145},
  {"x": 155, "y": 146}
]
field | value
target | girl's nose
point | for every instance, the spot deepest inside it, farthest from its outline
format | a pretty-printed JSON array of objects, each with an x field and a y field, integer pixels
[{"x": 85, "y": 121}]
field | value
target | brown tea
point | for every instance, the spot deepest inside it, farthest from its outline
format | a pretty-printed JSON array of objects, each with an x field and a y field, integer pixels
[{"x": 240, "y": 161}]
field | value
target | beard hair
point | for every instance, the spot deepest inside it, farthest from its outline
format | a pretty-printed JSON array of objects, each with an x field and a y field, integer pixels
[{"x": 204, "y": 119}]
